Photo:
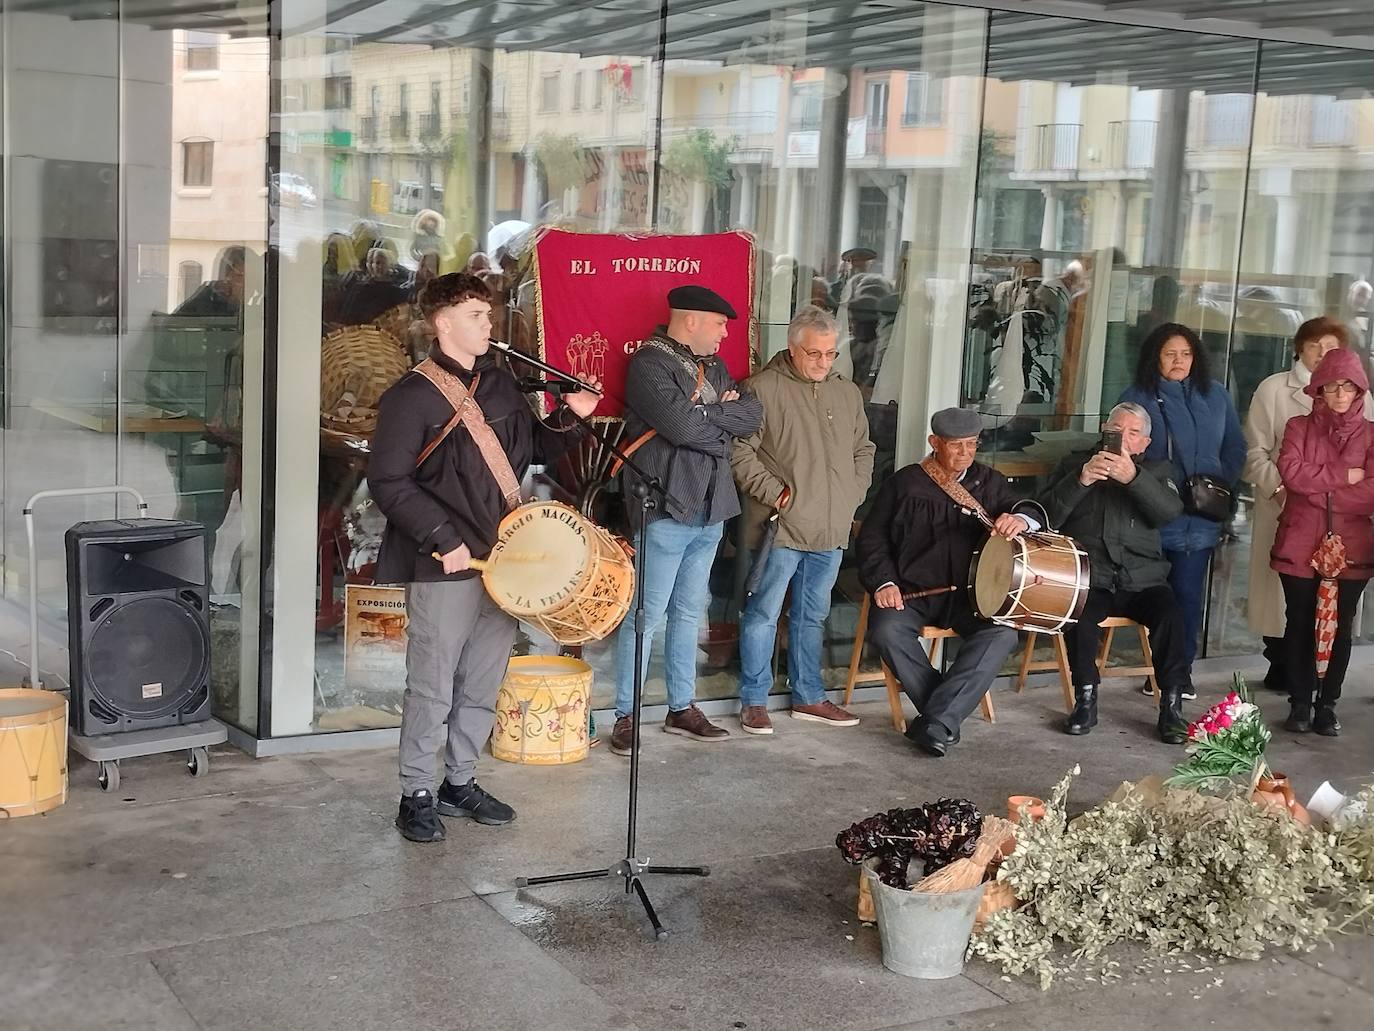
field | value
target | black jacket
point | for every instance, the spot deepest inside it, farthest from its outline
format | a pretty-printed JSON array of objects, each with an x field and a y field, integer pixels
[
  {"x": 691, "y": 453},
  {"x": 916, "y": 537},
  {"x": 1116, "y": 524},
  {"x": 452, "y": 499}
]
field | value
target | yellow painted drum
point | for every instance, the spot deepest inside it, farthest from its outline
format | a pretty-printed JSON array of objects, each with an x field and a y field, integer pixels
[
  {"x": 541, "y": 711},
  {"x": 33, "y": 751}
]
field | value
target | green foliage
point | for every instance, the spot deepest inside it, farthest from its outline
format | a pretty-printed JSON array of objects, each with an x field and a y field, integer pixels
[
  {"x": 698, "y": 155},
  {"x": 561, "y": 156},
  {"x": 1180, "y": 873}
]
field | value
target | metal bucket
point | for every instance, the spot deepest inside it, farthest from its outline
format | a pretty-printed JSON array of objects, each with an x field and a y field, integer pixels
[{"x": 924, "y": 934}]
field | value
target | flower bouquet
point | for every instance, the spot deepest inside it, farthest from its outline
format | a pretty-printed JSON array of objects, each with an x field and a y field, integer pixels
[{"x": 1226, "y": 743}]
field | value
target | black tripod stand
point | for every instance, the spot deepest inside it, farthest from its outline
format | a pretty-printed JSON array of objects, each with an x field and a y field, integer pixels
[{"x": 648, "y": 490}]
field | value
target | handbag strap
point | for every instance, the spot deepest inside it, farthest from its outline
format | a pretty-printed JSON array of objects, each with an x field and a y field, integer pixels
[{"x": 469, "y": 413}]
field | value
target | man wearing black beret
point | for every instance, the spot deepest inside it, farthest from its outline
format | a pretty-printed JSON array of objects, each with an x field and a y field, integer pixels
[
  {"x": 683, "y": 412},
  {"x": 915, "y": 549}
]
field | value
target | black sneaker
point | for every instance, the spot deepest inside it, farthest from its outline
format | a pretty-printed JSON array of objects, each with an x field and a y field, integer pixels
[
  {"x": 417, "y": 820},
  {"x": 471, "y": 801}
]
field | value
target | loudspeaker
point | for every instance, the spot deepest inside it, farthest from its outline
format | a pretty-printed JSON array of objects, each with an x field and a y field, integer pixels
[{"x": 139, "y": 632}]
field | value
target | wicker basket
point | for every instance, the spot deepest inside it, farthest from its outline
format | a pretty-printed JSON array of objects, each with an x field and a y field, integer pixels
[
  {"x": 357, "y": 365},
  {"x": 997, "y": 896},
  {"x": 396, "y": 321}
]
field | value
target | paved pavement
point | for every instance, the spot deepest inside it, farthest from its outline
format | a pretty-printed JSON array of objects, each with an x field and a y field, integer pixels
[{"x": 276, "y": 894}]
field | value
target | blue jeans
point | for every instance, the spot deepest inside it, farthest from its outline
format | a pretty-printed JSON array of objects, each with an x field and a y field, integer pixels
[
  {"x": 1188, "y": 578},
  {"x": 811, "y": 575},
  {"x": 678, "y": 561}
]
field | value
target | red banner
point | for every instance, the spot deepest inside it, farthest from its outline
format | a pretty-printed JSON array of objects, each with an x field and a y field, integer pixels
[{"x": 601, "y": 294}]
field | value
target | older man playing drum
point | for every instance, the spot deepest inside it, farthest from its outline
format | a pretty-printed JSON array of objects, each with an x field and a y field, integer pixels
[
  {"x": 915, "y": 551},
  {"x": 1113, "y": 504}
]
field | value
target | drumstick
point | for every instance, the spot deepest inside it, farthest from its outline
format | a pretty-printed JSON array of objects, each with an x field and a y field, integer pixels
[{"x": 483, "y": 564}]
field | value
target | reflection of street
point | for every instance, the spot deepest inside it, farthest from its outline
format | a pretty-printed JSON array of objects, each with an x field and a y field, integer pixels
[{"x": 298, "y": 225}]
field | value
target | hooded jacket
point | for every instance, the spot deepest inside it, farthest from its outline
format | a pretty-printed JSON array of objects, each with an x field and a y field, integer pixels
[
  {"x": 814, "y": 439},
  {"x": 1315, "y": 459}
]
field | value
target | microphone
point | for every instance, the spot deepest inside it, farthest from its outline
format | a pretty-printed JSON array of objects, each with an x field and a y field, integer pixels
[
  {"x": 553, "y": 370},
  {"x": 535, "y": 385}
]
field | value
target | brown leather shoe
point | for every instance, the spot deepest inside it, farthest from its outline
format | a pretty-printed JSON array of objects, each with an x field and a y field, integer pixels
[
  {"x": 692, "y": 722},
  {"x": 753, "y": 719},
  {"x": 825, "y": 711},
  {"x": 623, "y": 736}
]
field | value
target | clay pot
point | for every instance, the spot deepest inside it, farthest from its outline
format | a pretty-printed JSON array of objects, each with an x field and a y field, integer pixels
[
  {"x": 721, "y": 644},
  {"x": 1034, "y": 806},
  {"x": 1274, "y": 792}
]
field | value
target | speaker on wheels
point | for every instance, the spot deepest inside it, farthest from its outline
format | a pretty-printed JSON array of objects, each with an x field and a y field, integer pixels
[{"x": 139, "y": 632}]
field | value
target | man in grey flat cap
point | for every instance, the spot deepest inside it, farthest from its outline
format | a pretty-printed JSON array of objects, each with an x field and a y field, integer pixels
[
  {"x": 914, "y": 552},
  {"x": 683, "y": 412}
]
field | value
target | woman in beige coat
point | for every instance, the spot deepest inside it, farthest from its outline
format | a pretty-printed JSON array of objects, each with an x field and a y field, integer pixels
[{"x": 1277, "y": 399}]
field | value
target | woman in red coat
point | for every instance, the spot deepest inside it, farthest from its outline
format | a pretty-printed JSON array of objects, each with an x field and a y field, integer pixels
[{"x": 1327, "y": 466}]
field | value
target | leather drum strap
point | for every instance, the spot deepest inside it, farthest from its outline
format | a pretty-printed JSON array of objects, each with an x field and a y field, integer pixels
[
  {"x": 956, "y": 491},
  {"x": 649, "y": 435},
  {"x": 467, "y": 411}
]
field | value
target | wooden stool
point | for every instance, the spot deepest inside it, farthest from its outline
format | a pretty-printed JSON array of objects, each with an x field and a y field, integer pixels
[
  {"x": 934, "y": 634},
  {"x": 1061, "y": 660}
]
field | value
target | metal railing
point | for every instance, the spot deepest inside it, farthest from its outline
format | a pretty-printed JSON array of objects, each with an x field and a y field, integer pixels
[
  {"x": 429, "y": 125},
  {"x": 367, "y": 127},
  {"x": 1052, "y": 147},
  {"x": 1131, "y": 145},
  {"x": 400, "y": 126}
]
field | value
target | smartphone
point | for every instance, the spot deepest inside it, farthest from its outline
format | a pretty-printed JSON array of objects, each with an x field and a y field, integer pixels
[{"x": 1111, "y": 441}]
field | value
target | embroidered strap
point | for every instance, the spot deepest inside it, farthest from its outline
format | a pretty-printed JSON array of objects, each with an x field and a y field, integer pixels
[
  {"x": 467, "y": 411},
  {"x": 650, "y": 434},
  {"x": 954, "y": 489}
]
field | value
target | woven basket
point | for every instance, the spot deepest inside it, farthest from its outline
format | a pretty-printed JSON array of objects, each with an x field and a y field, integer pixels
[
  {"x": 997, "y": 896},
  {"x": 396, "y": 321},
  {"x": 357, "y": 365}
]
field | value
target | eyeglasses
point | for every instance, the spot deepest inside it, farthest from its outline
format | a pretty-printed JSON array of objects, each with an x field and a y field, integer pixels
[
  {"x": 1343, "y": 386},
  {"x": 822, "y": 356}
]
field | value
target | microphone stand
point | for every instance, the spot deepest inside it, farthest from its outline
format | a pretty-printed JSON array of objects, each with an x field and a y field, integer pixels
[{"x": 648, "y": 490}]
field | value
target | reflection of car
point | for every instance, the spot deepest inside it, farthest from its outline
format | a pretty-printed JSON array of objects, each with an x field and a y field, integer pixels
[
  {"x": 291, "y": 191},
  {"x": 409, "y": 198}
]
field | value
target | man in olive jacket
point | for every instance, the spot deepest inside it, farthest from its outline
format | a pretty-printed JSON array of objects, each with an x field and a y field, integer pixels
[
  {"x": 1113, "y": 505},
  {"x": 811, "y": 461}
]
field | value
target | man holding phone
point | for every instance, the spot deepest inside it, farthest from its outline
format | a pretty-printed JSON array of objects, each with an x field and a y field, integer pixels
[{"x": 1113, "y": 504}]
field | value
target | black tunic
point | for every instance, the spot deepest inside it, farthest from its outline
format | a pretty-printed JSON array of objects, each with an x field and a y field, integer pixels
[
  {"x": 916, "y": 537},
  {"x": 452, "y": 499}
]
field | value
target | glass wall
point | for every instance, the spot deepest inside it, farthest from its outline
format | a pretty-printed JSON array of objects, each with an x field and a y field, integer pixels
[
  {"x": 135, "y": 208},
  {"x": 215, "y": 235},
  {"x": 425, "y": 142}
]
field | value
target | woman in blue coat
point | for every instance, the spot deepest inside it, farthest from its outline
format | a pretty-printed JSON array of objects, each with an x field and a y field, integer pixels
[{"x": 1196, "y": 427}]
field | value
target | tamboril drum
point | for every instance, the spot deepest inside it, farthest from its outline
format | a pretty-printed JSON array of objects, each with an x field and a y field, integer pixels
[
  {"x": 1037, "y": 581},
  {"x": 558, "y": 571},
  {"x": 541, "y": 711}
]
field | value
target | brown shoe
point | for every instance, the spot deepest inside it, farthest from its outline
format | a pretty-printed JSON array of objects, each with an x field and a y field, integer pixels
[
  {"x": 623, "y": 736},
  {"x": 825, "y": 711},
  {"x": 692, "y": 722},
  {"x": 753, "y": 719}
]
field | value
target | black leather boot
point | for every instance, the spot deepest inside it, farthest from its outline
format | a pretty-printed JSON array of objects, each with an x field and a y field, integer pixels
[
  {"x": 1299, "y": 717},
  {"x": 1324, "y": 721},
  {"x": 1173, "y": 729},
  {"x": 1084, "y": 715}
]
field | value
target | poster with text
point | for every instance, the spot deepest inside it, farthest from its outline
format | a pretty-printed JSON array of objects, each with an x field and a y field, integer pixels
[
  {"x": 600, "y": 294},
  {"x": 374, "y": 635}
]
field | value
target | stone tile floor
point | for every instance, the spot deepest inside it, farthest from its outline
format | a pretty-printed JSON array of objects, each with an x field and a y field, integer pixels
[{"x": 275, "y": 894}]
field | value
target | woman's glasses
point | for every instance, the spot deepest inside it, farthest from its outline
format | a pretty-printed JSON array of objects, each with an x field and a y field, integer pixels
[{"x": 1341, "y": 386}]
